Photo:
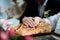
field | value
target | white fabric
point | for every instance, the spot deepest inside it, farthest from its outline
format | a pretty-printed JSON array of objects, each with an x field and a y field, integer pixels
[
  {"x": 57, "y": 30},
  {"x": 54, "y": 20},
  {"x": 12, "y": 22}
]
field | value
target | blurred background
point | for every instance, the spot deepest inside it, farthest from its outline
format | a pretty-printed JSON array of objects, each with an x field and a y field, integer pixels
[{"x": 12, "y": 10}]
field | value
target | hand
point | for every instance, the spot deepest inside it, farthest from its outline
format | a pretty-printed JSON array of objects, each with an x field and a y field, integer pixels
[
  {"x": 37, "y": 20},
  {"x": 28, "y": 21},
  {"x": 32, "y": 22}
]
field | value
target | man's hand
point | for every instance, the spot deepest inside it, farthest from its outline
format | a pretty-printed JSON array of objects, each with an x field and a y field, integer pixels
[{"x": 32, "y": 22}]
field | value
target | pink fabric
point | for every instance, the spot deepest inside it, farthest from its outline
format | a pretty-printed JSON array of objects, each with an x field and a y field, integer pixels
[
  {"x": 3, "y": 36},
  {"x": 10, "y": 32},
  {"x": 5, "y": 22},
  {"x": 28, "y": 38}
]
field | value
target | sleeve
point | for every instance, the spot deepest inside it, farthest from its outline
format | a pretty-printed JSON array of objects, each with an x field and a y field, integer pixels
[
  {"x": 53, "y": 20},
  {"x": 57, "y": 29}
]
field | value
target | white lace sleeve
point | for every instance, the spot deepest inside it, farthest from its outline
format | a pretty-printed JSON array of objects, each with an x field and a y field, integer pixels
[
  {"x": 57, "y": 29},
  {"x": 53, "y": 20}
]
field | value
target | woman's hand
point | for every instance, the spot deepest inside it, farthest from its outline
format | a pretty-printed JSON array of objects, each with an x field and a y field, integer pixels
[
  {"x": 32, "y": 22},
  {"x": 28, "y": 21}
]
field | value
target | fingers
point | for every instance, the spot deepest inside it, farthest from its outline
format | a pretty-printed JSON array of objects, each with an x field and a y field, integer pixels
[
  {"x": 31, "y": 22},
  {"x": 25, "y": 21},
  {"x": 25, "y": 24},
  {"x": 28, "y": 21}
]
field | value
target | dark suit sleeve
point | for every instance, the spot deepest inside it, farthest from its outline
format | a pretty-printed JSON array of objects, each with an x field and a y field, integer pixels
[{"x": 31, "y": 9}]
